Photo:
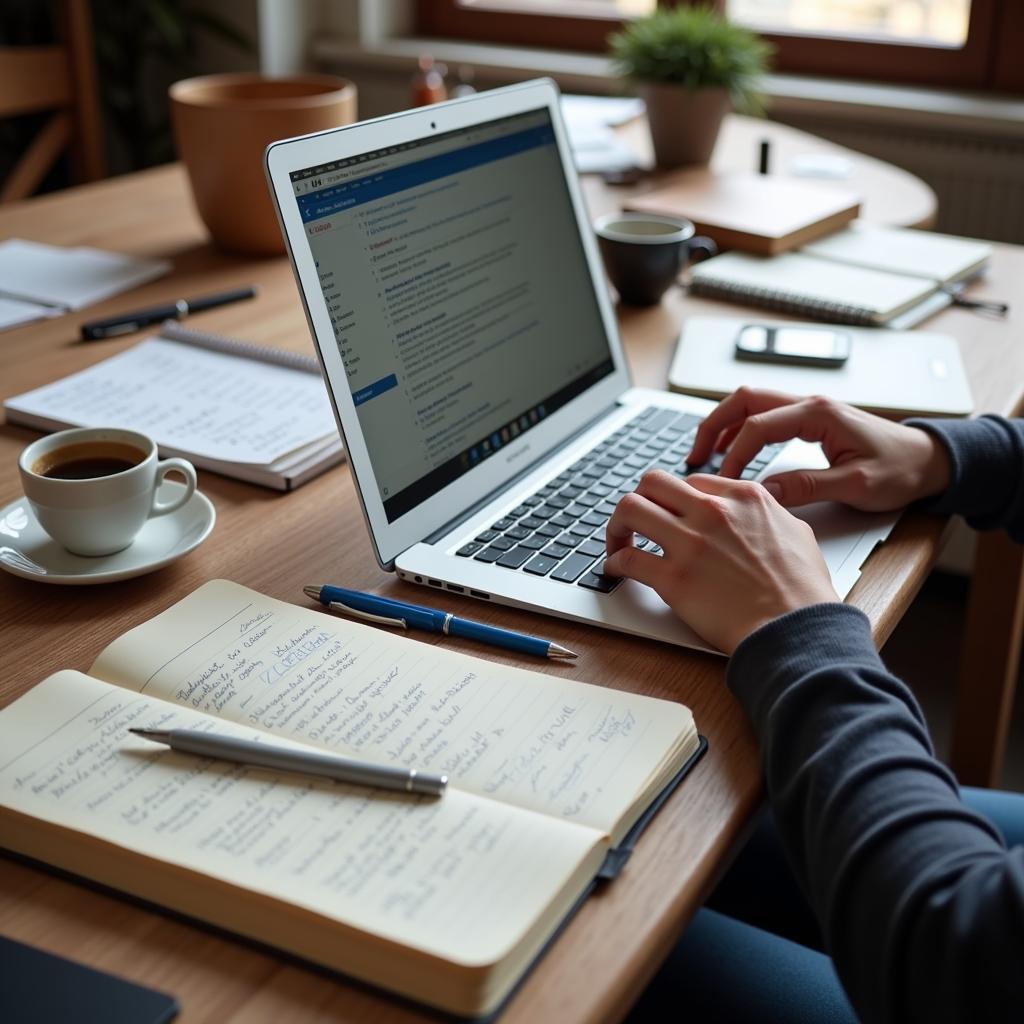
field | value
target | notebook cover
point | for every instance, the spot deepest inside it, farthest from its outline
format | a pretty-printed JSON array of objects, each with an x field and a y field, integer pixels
[
  {"x": 757, "y": 213},
  {"x": 39, "y": 987}
]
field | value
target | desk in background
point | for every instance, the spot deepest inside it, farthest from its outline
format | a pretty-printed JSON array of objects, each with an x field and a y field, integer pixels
[{"x": 276, "y": 543}]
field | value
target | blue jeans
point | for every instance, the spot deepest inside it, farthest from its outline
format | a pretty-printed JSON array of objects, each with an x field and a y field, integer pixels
[{"x": 754, "y": 952}]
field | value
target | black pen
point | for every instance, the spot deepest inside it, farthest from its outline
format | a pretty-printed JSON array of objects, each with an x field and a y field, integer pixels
[{"x": 125, "y": 323}]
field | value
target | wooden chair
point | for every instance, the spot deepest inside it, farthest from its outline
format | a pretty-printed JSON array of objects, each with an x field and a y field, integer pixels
[{"x": 60, "y": 78}]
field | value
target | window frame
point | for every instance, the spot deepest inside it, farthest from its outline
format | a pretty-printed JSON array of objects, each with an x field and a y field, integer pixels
[{"x": 986, "y": 61}]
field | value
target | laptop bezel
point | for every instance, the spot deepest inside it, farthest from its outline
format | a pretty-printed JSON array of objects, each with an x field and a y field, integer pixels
[{"x": 389, "y": 539}]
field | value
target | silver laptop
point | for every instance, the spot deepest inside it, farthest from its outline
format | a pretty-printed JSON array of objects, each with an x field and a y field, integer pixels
[{"x": 459, "y": 308}]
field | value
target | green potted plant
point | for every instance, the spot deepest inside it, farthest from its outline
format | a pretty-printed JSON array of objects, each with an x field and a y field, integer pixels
[{"x": 690, "y": 65}]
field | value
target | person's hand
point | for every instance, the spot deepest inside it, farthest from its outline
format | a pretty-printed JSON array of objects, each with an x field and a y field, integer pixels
[
  {"x": 733, "y": 559},
  {"x": 875, "y": 465}
]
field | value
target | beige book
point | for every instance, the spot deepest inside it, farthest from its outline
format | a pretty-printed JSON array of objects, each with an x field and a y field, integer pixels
[
  {"x": 757, "y": 213},
  {"x": 446, "y": 901}
]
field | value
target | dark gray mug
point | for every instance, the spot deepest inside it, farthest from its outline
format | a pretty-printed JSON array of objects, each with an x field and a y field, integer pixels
[{"x": 644, "y": 253}]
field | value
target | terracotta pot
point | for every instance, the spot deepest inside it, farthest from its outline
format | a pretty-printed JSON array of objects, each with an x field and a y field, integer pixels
[
  {"x": 223, "y": 123},
  {"x": 684, "y": 122}
]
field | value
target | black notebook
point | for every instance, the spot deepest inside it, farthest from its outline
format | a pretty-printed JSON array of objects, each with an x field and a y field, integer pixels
[{"x": 39, "y": 988}]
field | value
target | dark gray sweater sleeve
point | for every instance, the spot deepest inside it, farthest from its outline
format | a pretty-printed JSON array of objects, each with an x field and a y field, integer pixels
[
  {"x": 920, "y": 903},
  {"x": 987, "y": 482}
]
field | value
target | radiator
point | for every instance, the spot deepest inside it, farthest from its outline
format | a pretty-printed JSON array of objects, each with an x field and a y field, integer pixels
[{"x": 979, "y": 181}]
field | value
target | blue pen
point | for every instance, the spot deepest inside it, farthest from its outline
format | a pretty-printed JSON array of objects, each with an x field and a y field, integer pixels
[{"x": 386, "y": 612}]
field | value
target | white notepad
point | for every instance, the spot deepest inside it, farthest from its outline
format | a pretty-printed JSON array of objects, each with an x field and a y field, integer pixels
[
  {"x": 895, "y": 373},
  {"x": 245, "y": 411},
  {"x": 62, "y": 279},
  {"x": 942, "y": 258}
]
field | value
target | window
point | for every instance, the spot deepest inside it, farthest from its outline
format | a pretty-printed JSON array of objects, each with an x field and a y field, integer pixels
[
  {"x": 955, "y": 43},
  {"x": 931, "y": 22}
]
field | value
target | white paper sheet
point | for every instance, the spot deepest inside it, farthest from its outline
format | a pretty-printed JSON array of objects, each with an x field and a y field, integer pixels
[
  {"x": 15, "y": 312},
  {"x": 206, "y": 403},
  {"x": 69, "y": 278},
  {"x": 595, "y": 148}
]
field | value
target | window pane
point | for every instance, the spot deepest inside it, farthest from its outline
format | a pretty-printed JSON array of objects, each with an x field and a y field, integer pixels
[
  {"x": 941, "y": 22},
  {"x": 571, "y": 8}
]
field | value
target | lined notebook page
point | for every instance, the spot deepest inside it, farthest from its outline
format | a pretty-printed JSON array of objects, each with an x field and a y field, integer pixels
[
  {"x": 579, "y": 753},
  {"x": 805, "y": 279},
  {"x": 191, "y": 399},
  {"x": 460, "y": 877}
]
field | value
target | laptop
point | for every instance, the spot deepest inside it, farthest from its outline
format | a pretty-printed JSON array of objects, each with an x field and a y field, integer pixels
[{"x": 469, "y": 344}]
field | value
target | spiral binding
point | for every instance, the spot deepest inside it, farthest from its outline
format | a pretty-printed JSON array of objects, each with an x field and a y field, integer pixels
[
  {"x": 784, "y": 302},
  {"x": 173, "y": 331}
]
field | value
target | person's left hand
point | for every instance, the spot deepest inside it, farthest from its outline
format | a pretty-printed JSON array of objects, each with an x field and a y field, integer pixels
[{"x": 733, "y": 559}]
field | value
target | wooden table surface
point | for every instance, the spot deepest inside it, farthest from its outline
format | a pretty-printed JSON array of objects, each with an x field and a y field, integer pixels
[
  {"x": 276, "y": 543},
  {"x": 888, "y": 194}
]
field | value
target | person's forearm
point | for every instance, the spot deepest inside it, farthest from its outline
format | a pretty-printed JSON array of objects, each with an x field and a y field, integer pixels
[
  {"x": 921, "y": 905},
  {"x": 987, "y": 471}
]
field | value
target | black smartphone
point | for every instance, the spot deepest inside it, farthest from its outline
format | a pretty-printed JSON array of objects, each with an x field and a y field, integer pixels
[{"x": 801, "y": 346}]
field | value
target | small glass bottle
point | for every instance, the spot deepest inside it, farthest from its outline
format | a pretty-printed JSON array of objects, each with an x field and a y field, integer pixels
[{"x": 428, "y": 83}]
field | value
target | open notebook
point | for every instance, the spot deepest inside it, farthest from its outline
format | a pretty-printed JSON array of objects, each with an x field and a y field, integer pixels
[
  {"x": 258, "y": 414},
  {"x": 447, "y": 901}
]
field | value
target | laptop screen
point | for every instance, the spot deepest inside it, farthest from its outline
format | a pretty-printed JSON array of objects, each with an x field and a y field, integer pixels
[{"x": 459, "y": 294}]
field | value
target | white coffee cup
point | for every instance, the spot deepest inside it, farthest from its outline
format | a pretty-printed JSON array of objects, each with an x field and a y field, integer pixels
[{"x": 102, "y": 508}]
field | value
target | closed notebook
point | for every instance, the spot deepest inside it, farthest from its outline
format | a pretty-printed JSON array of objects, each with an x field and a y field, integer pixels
[
  {"x": 797, "y": 283},
  {"x": 865, "y": 275},
  {"x": 945, "y": 259},
  {"x": 893, "y": 373},
  {"x": 37, "y": 987},
  {"x": 756, "y": 213}
]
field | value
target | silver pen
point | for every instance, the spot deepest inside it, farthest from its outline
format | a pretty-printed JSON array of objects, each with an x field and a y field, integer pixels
[{"x": 265, "y": 755}]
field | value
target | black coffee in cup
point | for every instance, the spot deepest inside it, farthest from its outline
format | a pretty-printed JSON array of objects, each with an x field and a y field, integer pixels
[
  {"x": 644, "y": 253},
  {"x": 87, "y": 461}
]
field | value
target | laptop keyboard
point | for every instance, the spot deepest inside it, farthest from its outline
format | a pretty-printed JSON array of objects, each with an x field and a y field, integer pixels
[{"x": 559, "y": 531}]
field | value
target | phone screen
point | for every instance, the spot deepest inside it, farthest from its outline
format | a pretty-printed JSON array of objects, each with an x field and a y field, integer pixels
[{"x": 795, "y": 342}]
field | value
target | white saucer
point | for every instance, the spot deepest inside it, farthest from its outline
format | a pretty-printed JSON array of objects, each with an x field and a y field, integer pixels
[{"x": 160, "y": 542}]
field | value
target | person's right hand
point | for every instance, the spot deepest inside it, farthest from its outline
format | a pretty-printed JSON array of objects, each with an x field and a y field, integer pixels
[{"x": 874, "y": 464}]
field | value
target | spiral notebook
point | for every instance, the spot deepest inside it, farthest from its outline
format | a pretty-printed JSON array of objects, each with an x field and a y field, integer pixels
[
  {"x": 257, "y": 414},
  {"x": 867, "y": 275}
]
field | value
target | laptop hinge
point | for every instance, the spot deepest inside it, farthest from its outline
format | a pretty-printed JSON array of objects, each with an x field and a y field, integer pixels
[{"x": 522, "y": 474}]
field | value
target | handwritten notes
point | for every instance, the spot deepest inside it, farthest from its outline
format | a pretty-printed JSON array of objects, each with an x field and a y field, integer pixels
[
  {"x": 208, "y": 403},
  {"x": 569, "y": 750},
  {"x": 412, "y": 869}
]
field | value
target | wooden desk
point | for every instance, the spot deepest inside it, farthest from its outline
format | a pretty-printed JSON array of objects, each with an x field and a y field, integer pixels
[
  {"x": 889, "y": 195},
  {"x": 276, "y": 543}
]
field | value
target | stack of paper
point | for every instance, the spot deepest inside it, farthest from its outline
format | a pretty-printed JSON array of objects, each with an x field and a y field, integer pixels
[
  {"x": 589, "y": 120},
  {"x": 39, "y": 281},
  {"x": 254, "y": 414}
]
